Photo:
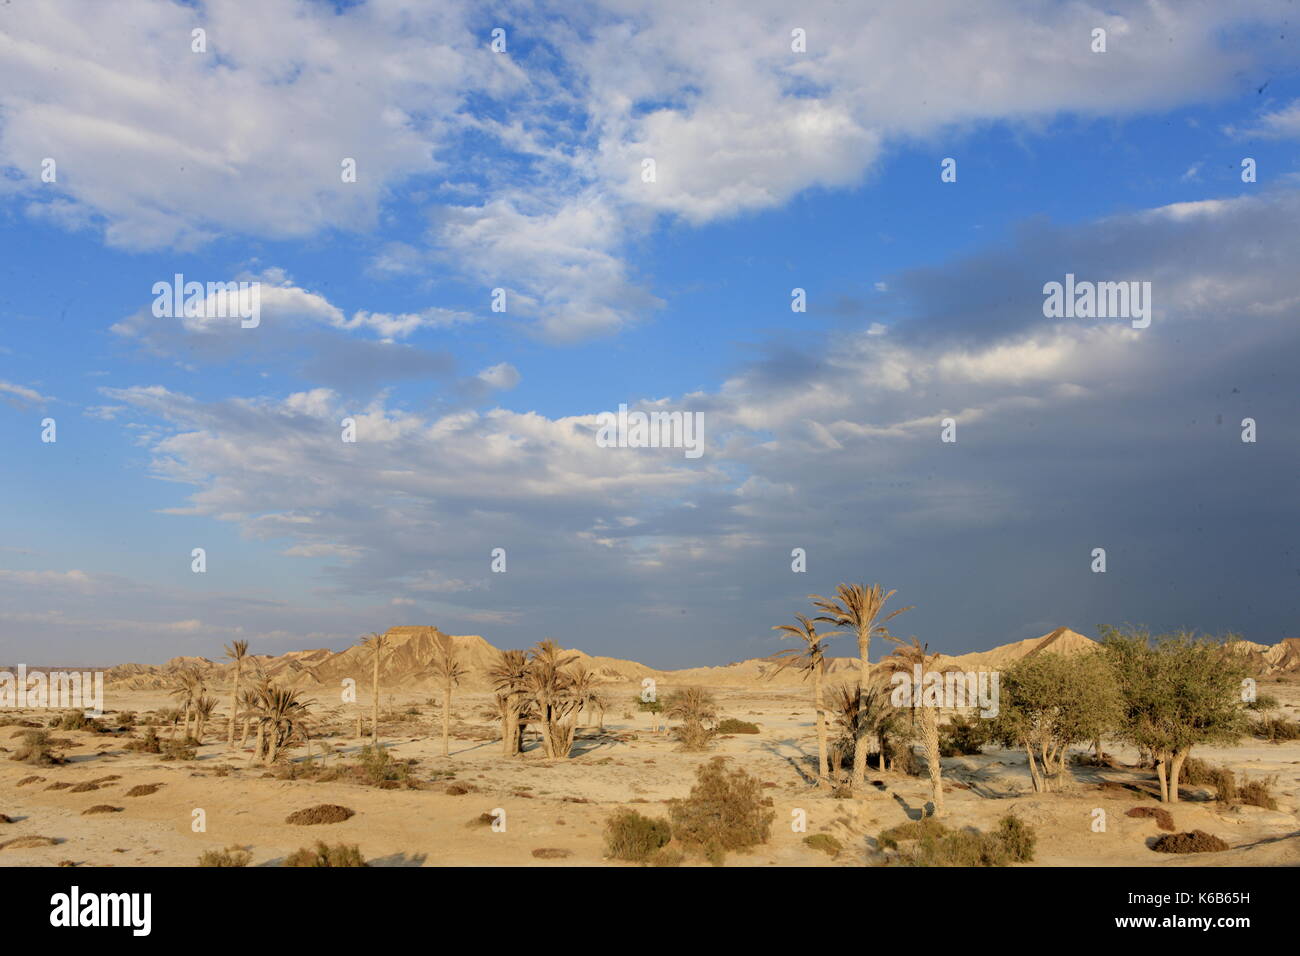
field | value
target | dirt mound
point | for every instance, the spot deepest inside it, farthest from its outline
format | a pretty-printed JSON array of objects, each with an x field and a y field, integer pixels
[
  {"x": 1198, "y": 841},
  {"x": 101, "y": 808},
  {"x": 1162, "y": 816},
  {"x": 324, "y": 813}
]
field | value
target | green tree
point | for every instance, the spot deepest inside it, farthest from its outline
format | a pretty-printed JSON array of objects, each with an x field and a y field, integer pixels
[{"x": 1178, "y": 691}]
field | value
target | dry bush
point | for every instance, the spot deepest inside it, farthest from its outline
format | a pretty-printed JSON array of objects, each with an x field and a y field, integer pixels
[
  {"x": 60, "y": 785},
  {"x": 324, "y": 813},
  {"x": 179, "y": 750},
  {"x": 1275, "y": 728},
  {"x": 1164, "y": 820},
  {"x": 733, "y": 726},
  {"x": 1259, "y": 793},
  {"x": 101, "y": 808},
  {"x": 631, "y": 836},
  {"x": 725, "y": 811},
  {"x": 927, "y": 842},
  {"x": 482, "y": 820},
  {"x": 37, "y": 749},
  {"x": 77, "y": 720},
  {"x": 5, "y": 818},
  {"x": 148, "y": 744},
  {"x": 340, "y": 854},
  {"x": 230, "y": 856},
  {"x": 85, "y": 787},
  {"x": 34, "y": 778},
  {"x": 824, "y": 842},
  {"x": 694, "y": 737},
  {"x": 144, "y": 789},
  {"x": 1198, "y": 841},
  {"x": 666, "y": 856},
  {"x": 1197, "y": 772}
]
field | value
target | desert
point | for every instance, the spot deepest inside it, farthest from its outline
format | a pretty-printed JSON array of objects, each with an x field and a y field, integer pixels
[{"x": 106, "y": 802}]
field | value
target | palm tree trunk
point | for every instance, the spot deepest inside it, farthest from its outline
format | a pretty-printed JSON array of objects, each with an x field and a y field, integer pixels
[
  {"x": 261, "y": 741},
  {"x": 864, "y": 681},
  {"x": 374, "y": 729},
  {"x": 446, "y": 718},
  {"x": 234, "y": 699},
  {"x": 823, "y": 777},
  {"x": 930, "y": 731}
]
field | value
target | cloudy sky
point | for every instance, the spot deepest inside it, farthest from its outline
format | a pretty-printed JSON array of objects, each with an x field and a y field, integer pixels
[{"x": 774, "y": 169}]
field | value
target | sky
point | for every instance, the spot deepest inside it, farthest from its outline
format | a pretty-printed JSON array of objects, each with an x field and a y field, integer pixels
[{"x": 793, "y": 147}]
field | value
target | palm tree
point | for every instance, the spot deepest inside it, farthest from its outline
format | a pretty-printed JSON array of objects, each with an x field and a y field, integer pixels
[
  {"x": 449, "y": 670},
  {"x": 811, "y": 659},
  {"x": 188, "y": 687},
  {"x": 235, "y": 651},
  {"x": 859, "y": 715},
  {"x": 203, "y": 708},
  {"x": 509, "y": 676},
  {"x": 376, "y": 643},
  {"x": 548, "y": 684},
  {"x": 857, "y": 607},
  {"x": 281, "y": 718},
  {"x": 911, "y": 658}
]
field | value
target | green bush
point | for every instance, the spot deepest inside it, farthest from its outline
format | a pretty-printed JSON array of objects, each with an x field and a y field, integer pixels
[
  {"x": 964, "y": 736},
  {"x": 725, "y": 811},
  {"x": 631, "y": 836}
]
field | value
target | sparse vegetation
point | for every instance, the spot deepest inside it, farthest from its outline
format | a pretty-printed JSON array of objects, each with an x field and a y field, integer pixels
[
  {"x": 927, "y": 842},
  {"x": 338, "y": 855},
  {"x": 824, "y": 842},
  {"x": 37, "y": 749},
  {"x": 230, "y": 856}
]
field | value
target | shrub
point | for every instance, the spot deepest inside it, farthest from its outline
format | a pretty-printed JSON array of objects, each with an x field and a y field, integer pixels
[
  {"x": 725, "y": 811},
  {"x": 666, "y": 856},
  {"x": 1018, "y": 837},
  {"x": 693, "y": 737},
  {"x": 377, "y": 767},
  {"x": 1198, "y": 841},
  {"x": 964, "y": 736},
  {"x": 733, "y": 726},
  {"x": 1196, "y": 772},
  {"x": 1259, "y": 793},
  {"x": 930, "y": 843},
  {"x": 324, "y": 813},
  {"x": 149, "y": 744},
  {"x": 178, "y": 750},
  {"x": 101, "y": 808},
  {"x": 36, "y": 749},
  {"x": 824, "y": 842},
  {"x": 631, "y": 836},
  {"x": 230, "y": 856},
  {"x": 144, "y": 789},
  {"x": 341, "y": 854},
  {"x": 75, "y": 720},
  {"x": 1275, "y": 728}
]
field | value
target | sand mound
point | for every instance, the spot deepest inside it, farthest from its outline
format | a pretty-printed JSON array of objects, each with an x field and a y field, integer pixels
[{"x": 28, "y": 842}]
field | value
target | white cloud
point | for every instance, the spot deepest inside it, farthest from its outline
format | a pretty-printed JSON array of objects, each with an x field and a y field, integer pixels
[{"x": 502, "y": 375}]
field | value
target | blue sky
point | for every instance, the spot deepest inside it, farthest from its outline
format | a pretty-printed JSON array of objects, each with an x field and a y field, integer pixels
[{"x": 521, "y": 170}]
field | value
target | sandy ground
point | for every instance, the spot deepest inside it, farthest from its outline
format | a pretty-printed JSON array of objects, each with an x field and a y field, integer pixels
[{"x": 564, "y": 805}]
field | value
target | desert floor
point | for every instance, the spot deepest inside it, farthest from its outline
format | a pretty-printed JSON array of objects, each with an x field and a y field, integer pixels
[{"x": 563, "y": 805}]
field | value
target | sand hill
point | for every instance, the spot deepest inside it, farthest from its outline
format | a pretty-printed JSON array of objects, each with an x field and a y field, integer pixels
[{"x": 405, "y": 663}]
